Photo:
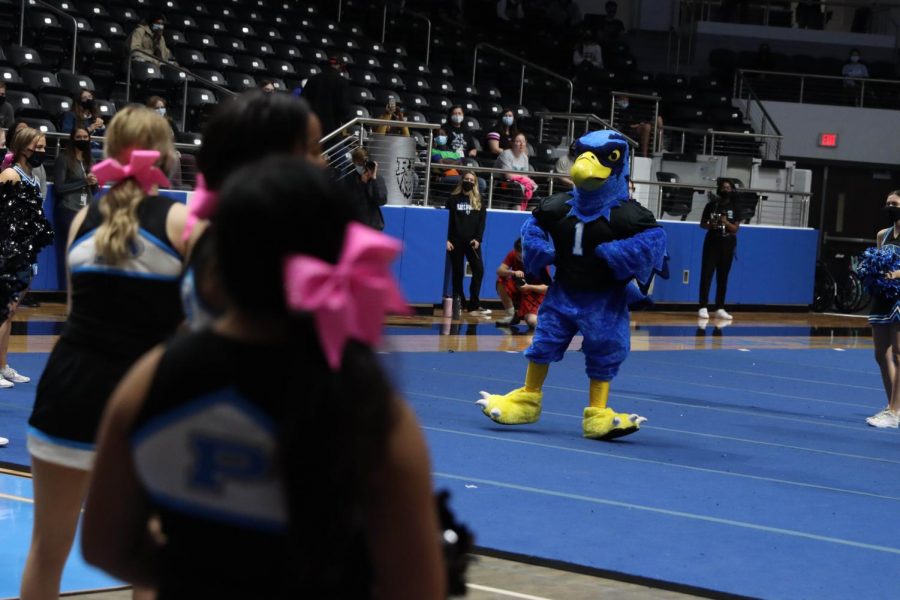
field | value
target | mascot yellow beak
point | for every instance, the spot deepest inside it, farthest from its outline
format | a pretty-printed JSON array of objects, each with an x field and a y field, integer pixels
[{"x": 587, "y": 172}]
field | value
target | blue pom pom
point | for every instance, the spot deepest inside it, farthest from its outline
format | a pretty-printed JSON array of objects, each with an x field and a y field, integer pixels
[{"x": 872, "y": 267}]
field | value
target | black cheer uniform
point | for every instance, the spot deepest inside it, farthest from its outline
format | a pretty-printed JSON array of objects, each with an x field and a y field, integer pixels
[
  {"x": 718, "y": 252},
  {"x": 465, "y": 224},
  {"x": 205, "y": 448},
  {"x": 118, "y": 313}
]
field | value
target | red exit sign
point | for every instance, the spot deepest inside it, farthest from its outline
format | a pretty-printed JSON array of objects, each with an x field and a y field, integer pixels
[{"x": 828, "y": 140}]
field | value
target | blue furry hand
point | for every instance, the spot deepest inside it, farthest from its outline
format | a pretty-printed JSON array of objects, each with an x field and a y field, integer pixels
[
  {"x": 873, "y": 267},
  {"x": 538, "y": 251}
]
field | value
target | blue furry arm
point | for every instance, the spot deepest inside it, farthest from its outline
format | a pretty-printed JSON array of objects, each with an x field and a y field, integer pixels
[
  {"x": 538, "y": 251},
  {"x": 639, "y": 256}
]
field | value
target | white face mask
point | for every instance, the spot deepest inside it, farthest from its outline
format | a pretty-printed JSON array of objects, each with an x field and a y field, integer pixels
[
  {"x": 360, "y": 169},
  {"x": 457, "y": 119},
  {"x": 161, "y": 111},
  {"x": 622, "y": 104}
]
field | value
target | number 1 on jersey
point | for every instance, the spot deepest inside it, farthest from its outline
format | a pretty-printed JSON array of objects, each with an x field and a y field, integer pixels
[{"x": 579, "y": 233}]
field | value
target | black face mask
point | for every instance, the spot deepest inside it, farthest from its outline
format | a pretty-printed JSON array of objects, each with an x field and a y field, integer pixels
[
  {"x": 893, "y": 212},
  {"x": 88, "y": 104},
  {"x": 467, "y": 186},
  {"x": 724, "y": 195},
  {"x": 2, "y": 100},
  {"x": 83, "y": 145},
  {"x": 36, "y": 159}
]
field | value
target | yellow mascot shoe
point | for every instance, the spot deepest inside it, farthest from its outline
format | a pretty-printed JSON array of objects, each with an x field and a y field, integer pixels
[
  {"x": 606, "y": 424},
  {"x": 518, "y": 407}
]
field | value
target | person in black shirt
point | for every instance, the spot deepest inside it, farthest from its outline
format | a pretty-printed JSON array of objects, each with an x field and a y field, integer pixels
[
  {"x": 721, "y": 221},
  {"x": 465, "y": 228},
  {"x": 327, "y": 95},
  {"x": 370, "y": 189},
  {"x": 460, "y": 138}
]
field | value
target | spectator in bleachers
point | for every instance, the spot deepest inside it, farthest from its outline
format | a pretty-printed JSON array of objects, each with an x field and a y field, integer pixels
[
  {"x": 158, "y": 104},
  {"x": 460, "y": 138},
  {"x": 267, "y": 86},
  {"x": 634, "y": 122},
  {"x": 327, "y": 94},
  {"x": 443, "y": 154},
  {"x": 611, "y": 28},
  {"x": 854, "y": 68},
  {"x": 393, "y": 112},
  {"x": 83, "y": 115},
  {"x": 502, "y": 133},
  {"x": 371, "y": 192},
  {"x": 7, "y": 112},
  {"x": 565, "y": 14},
  {"x": 587, "y": 50},
  {"x": 73, "y": 186},
  {"x": 514, "y": 160},
  {"x": 148, "y": 37}
]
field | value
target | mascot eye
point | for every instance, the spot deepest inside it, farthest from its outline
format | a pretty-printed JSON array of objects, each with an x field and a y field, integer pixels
[{"x": 615, "y": 155}]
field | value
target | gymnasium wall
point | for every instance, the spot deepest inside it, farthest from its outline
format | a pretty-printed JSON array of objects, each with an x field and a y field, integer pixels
[{"x": 774, "y": 266}]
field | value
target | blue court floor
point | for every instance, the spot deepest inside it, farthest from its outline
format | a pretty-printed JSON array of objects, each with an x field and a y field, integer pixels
[{"x": 755, "y": 474}]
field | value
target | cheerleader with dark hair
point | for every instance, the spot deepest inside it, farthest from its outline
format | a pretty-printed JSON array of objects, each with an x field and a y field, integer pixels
[
  {"x": 880, "y": 271},
  {"x": 317, "y": 480}
]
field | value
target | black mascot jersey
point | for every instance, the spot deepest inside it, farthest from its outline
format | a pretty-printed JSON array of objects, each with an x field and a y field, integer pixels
[{"x": 577, "y": 266}]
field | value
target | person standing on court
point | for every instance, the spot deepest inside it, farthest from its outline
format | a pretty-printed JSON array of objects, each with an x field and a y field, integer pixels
[
  {"x": 125, "y": 260},
  {"x": 465, "y": 228},
  {"x": 369, "y": 188},
  {"x": 885, "y": 321},
  {"x": 327, "y": 94},
  {"x": 721, "y": 222}
]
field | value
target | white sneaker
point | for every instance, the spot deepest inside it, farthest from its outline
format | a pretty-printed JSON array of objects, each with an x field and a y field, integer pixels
[
  {"x": 11, "y": 374},
  {"x": 884, "y": 419},
  {"x": 721, "y": 314},
  {"x": 482, "y": 312},
  {"x": 703, "y": 313},
  {"x": 3, "y": 441},
  {"x": 4, "y": 383}
]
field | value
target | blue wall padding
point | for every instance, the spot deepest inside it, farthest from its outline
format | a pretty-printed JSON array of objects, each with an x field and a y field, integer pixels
[{"x": 774, "y": 265}]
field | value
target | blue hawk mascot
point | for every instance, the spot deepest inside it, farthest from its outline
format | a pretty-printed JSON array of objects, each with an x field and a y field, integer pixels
[{"x": 601, "y": 243}]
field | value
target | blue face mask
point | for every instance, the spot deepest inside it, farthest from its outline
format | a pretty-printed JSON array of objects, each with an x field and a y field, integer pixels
[
  {"x": 440, "y": 140},
  {"x": 508, "y": 121}
]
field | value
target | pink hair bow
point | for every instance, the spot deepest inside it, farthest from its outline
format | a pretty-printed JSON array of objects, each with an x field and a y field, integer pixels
[
  {"x": 141, "y": 167},
  {"x": 349, "y": 299},
  {"x": 202, "y": 206}
]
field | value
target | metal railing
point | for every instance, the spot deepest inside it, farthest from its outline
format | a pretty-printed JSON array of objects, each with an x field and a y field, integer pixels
[
  {"x": 337, "y": 145},
  {"x": 702, "y": 10},
  {"x": 412, "y": 13},
  {"x": 817, "y": 89},
  {"x": 189, "y": 77},
  {"x": 588, "y": 119},
  {"x": 759, "y": 117},
  {"x": 524, "y": 63},
  {"x": 57, "y": 11},
  {"x": 785, "y": 208},
  {"x": 705, "y": 140},
  {"x": 654, "y": 127}
]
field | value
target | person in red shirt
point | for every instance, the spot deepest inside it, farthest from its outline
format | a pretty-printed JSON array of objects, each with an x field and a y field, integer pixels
[{"x": 521, "y": 297}]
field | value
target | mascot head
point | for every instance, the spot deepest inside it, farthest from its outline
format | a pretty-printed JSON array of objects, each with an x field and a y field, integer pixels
[{"x": 600, "y": 173}]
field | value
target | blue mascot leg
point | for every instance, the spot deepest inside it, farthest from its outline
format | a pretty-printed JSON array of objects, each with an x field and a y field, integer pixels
[
  {"x": 607, "y": 341},
  {"x": 553, "y": 334}
]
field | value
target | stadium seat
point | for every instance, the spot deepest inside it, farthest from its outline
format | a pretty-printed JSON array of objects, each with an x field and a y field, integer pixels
[{"x": 676, "y": 201}]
